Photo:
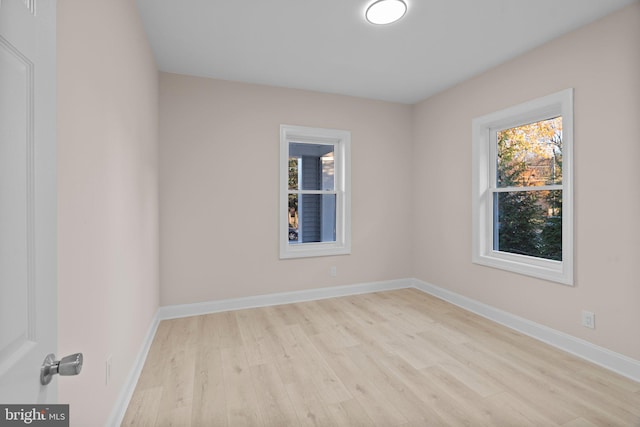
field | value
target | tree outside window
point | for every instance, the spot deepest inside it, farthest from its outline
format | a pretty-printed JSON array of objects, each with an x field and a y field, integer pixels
[{"x": 529, "y": 221}]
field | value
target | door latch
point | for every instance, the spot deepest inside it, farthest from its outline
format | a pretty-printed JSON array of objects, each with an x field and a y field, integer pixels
[{"x": 70, "y": 365}]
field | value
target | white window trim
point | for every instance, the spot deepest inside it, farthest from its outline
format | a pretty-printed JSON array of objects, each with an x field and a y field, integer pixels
[
  {"x": 341, "y": 140},
  {"x": 484, "y": 129}
]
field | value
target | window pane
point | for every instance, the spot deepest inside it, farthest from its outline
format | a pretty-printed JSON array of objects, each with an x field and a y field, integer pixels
[
  {"x": 530, "y": 155},
  {"x": 529, "y": 223},
  {"x": 313, "y": 219},
  {"x": 314, "y": 166},
  {"x": 293, "y": 218},
  {"x": 293, "y": 173},
  {"x": 328, "y": 169}
]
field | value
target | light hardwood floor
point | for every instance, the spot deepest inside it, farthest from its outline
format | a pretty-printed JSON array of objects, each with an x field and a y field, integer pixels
[{"x": 397, "y": 358}]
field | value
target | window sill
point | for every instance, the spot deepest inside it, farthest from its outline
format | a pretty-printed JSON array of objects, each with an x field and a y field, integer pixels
[
  {"x": 308, "y": 250},
  {"x": 554, "y": 271}
]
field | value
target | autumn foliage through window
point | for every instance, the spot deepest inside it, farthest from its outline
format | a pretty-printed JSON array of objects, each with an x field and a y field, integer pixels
[{"x": 528, "y": 192}]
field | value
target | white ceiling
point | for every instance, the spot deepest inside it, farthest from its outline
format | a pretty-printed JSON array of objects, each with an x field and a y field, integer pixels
[{"x": 327, "y": 45}]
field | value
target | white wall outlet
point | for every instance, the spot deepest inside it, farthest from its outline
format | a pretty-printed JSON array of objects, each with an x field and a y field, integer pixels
[
  {"x": 107, "y": 370},
  {"x": 588, "y": 319},
  {"x": 333, "y": 271}
]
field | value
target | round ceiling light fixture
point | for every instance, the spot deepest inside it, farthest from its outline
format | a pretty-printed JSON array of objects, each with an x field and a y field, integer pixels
[{"x": 386, "y": 11}]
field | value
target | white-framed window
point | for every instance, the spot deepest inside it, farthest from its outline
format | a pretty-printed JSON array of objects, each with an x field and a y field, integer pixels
[
  {"x": 315, "y": 192},
  {"x": 522, "y": 204}
]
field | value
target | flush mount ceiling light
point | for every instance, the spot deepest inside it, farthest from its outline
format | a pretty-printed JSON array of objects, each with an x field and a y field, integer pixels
[{"x": 386, "y": 11}]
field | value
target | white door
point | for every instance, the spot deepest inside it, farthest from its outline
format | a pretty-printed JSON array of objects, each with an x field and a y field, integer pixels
[{"x": 28, "y": 288}]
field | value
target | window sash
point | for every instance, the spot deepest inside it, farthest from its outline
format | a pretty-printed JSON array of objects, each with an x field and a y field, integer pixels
[
  {"x": 537, "y": 188},
  {"x": 314, "y": 192}
]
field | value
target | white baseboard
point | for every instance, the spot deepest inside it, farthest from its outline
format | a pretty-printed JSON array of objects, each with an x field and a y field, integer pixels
[
  {"x": 120, "y": 408},
  {"x": 186, "y": 310},
  {"x": 608, "y": 359},
  {"x": 601, "y": 356}
]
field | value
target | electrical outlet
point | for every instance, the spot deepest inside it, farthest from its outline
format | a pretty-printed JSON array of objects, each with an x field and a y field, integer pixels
[
  {"x": 588, "y": 319},
  {"x": 333, "y": 271},
  {"x": 107, "y": 370}
]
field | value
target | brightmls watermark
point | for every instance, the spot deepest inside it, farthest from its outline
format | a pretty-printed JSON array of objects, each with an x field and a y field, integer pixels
[{"x": 34, "y": 415}]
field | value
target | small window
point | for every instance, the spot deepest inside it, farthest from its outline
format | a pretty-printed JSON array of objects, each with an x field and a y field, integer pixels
[
  {"x": 315, "y": 205},
  {"x": 522, "y": 188}
]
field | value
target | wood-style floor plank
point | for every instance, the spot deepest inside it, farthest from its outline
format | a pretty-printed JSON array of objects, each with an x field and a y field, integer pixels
[
  {"x": 209, "y": 394},
  {"x": 144, "y": 408},
  {"x": 242, "y": 402},
  {"x": 397, "y": 358}
]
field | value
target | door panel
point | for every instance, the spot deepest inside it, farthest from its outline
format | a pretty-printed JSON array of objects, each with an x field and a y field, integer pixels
[
  {"x": 16, "y": 204},
  {"x": 28, "y": 304}
]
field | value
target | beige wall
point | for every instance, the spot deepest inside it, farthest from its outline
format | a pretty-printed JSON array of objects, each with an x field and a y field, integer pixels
[
  {"x": 602, "y": 62},
  {"x": 219, "y": 162},
  {"x": 107, "y": 201}
]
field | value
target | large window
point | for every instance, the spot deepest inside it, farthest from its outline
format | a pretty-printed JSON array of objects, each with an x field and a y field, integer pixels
[
  {"x": 315, "y": 214},
  {"x": 522, "y": 188}
]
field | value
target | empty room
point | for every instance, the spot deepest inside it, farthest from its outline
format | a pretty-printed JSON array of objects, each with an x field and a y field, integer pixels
[{"x": 336, "y": 213}]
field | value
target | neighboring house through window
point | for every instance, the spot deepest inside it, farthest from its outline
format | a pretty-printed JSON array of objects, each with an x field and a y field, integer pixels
[
  {"x": 522, "y": 188},
  {"x": 315, "y": 205}
]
